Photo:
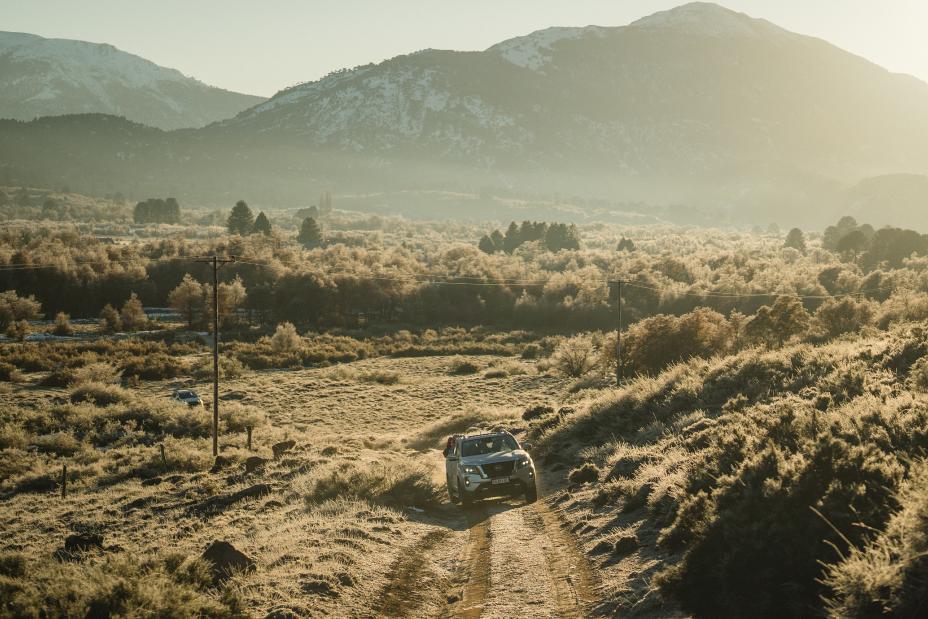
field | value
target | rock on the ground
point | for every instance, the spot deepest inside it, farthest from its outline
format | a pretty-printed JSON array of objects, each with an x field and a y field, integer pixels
[
  {"x": 225, "y": 560},
  {"x": 220, "y": 463},
  {"x": 279, "y": 448},
  {"x": 82, "y": 542},
  {"x": 253, "y": 463}
]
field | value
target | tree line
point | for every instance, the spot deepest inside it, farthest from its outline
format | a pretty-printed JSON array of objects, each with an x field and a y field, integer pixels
[
  {"x": 552, "y": 237},
  {"x": 157, "y": 211},
  {"x": 388, "y": 276}
]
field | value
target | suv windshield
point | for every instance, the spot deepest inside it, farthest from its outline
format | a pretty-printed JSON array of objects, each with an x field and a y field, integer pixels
[{"x": 488, "y": 445}]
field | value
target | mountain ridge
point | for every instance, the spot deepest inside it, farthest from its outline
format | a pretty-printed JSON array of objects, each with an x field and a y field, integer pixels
[
  {"x": 698, "y": 105},
  {"x": 46, "y": 76}
]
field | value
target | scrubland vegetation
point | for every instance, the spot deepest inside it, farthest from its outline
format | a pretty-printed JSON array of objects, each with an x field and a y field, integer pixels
[
  {"x": 760, "y": 455},
  {"x": 766, "y": 483}
]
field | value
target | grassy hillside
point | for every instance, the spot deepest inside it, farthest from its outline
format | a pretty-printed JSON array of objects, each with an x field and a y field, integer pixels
[{"x": 770, "y": 483}]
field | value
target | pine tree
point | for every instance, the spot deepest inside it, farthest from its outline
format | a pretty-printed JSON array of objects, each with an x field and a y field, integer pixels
[
  {"x": 796, "y": 239},
  {"x": 171, "y": 214},
  {"x": 310, "y": 233},
  {"x": 498, "y": 241},
  {"x": 486, "y": 245},
  {"x": 241, "y": 219},
  {"x": 512, "y": 239},
  {"x": 262, "y": 224}
]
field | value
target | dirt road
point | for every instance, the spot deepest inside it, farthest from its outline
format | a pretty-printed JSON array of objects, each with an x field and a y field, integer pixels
[{"x": 497, "y": 559}]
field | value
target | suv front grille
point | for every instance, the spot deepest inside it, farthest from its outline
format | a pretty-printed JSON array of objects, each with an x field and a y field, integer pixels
[{"x": 499, "y": 469}]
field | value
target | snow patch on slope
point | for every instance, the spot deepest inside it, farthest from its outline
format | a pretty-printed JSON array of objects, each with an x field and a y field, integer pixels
[
  {"x": 82, "y": 63},
  {"x": 707, "y": 19},
  {"x": 533, "y": 51}
]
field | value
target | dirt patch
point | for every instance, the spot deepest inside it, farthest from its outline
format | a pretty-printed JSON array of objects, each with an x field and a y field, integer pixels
[{"x": 407, "y": 589}]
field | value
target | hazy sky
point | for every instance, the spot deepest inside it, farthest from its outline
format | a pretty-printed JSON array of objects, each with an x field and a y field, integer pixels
[{"x": 260, "y": 47}]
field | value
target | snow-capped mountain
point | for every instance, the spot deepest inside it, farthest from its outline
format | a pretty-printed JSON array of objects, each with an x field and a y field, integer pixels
[
  {"x": 693, "y": 91},
  {"x": 698, "y": 106},
  {"x": 44, "y": 77}
]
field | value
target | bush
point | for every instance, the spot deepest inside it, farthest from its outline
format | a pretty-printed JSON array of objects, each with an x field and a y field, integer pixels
[
  {"x": 95, "y": 373},
  {"x": 158, "y": 366},
  {"x": 12, "y": 437},
  {"x": 886, "y": 577},
  {"x": 726, "y": 456},
  {"x": 396, "y": 484},
  {"x": 536, "y": 411},
  {"x": 229, "y": 367},
  {"x": 62, "y": 325},
  {"x": 383, "y": 377},
  {"x": 110, "y": 321},
  {"x": 59, "y": 443},
  {"x": 8, "y": 372},
  {"x": 59, "y": 377},
  {"x": 586, "y": 474},
  {"x": 574, "y": 357},
  {"x": 115, "y": 586},
  {"x": 838, "y": 316},
  {"x": 285, "y": 339},
  {"x": 654, "y": 343},
  {"x": 240, "y": 417},
  {"x": 99, "y": 394},
  {"x": 461, "y": 366},
  {"x": 495, "y": 373},
  {"x": 918, "y": 376}
]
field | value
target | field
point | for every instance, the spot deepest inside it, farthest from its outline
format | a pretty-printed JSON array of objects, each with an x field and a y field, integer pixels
[
  {"x": 322, "y": 547},
  {"x": 761, "y": 452}
]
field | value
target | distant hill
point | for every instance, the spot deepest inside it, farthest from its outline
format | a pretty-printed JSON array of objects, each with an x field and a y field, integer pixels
[
  {"x": 695, "y": 108},
  {"x": 45, "y": 77},
  {"x": 899, "y": 200}
]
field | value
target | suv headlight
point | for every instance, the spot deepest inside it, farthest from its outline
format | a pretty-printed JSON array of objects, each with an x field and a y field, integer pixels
[
  {"x": 522, "y": 462},
  {"x": 470, "y": 470}
]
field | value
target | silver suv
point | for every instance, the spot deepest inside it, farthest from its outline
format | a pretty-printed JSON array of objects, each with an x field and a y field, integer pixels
[{"x": 488, "y": 465}]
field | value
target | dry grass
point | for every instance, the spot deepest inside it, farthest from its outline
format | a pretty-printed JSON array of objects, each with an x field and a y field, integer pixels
[
  {"x": 325, "y": 536},
  {"x": 701, "y": 458},
  {"x": 472, "y": 421}
]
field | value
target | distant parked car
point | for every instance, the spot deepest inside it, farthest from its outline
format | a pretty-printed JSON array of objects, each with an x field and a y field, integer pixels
[{"x": 188, "y": 397}]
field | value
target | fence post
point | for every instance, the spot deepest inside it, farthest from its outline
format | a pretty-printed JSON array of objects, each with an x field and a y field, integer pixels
[
  {"x": 64, "y": 480},
  {"x": 248, "y": 429},
  {"x": 164, "y": 461}
]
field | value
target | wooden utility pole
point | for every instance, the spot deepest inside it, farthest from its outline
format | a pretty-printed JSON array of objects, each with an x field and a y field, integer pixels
[
  {"x": 618, "y": 335},
  {"x": 216, "y": 261}
]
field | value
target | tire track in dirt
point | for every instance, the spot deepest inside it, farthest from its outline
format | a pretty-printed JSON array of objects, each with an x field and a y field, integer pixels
[
  {"x": 571, "y": 577},
  {"x": 475, "y": 575},
  {"x": 404, "y": 593},
  {"x": 519, "y": 559}
]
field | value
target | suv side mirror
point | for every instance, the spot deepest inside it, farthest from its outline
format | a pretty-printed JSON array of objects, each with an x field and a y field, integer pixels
[{"x": 526, "y": 446}]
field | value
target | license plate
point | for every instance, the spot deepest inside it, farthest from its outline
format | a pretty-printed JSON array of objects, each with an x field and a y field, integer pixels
[{"x": 500, "y": 480}]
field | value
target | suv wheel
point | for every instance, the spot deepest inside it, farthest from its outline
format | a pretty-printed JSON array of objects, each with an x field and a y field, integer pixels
[
  {"x": 531, "y": 494},
  {"x": 466, "y": 499}
]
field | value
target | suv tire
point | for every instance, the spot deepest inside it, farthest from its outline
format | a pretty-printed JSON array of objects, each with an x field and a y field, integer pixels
[
  {"x": 531, "y": 494},
  {"x": 466, "y": 499}
]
